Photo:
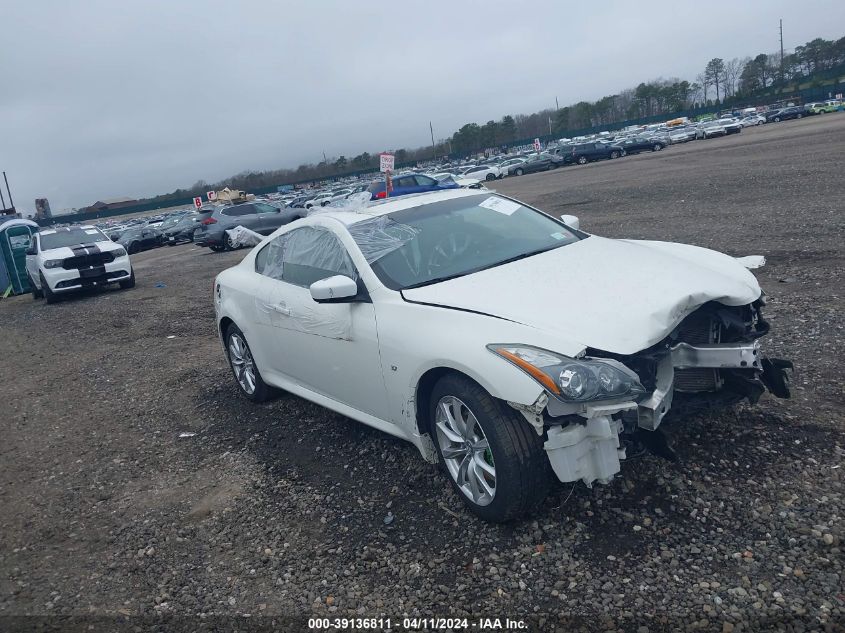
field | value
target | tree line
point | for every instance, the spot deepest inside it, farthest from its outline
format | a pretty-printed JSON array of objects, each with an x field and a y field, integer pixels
[{"x": 734, "y": 79}]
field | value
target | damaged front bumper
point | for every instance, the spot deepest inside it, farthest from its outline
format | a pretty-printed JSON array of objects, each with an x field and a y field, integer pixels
[{"x": 583, "y": 443}]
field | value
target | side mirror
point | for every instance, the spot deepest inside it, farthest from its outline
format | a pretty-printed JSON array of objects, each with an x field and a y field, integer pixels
[
  {"x": 337, "y": 289},
  {"x": 571, "y": 220},
  {"x": 30, "y": 250}
]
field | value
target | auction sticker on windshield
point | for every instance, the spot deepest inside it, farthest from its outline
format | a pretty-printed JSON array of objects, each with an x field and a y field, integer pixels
[{"x": 500, "y": 205}]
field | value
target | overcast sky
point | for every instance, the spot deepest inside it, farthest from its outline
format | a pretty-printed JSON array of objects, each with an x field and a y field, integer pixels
[{"x": 135, "y": 98}]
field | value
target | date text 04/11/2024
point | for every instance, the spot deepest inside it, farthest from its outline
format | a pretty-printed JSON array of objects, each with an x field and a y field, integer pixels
[{"x": 417, "y": 624}]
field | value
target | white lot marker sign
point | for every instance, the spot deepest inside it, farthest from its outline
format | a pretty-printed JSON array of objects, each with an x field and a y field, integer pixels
[
  {"x": 536, "y": 145},
  {"x": 211, "y": 195},
  {"x": 198, "y": 202},
  {"x": 386, "y": 162}
]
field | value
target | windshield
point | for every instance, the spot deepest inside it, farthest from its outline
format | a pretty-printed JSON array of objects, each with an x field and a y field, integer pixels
[
  {"x": 457, "y": 237},
  {"x": 73, "y": 237}
]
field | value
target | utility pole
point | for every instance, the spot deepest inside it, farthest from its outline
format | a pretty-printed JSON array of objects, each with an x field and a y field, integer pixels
[
  {"x": 433, "y": 151},
  {"x": 9, "y": 191},
  {"x": 781, "y": 51},
  {"x": 557, "y": 105}
]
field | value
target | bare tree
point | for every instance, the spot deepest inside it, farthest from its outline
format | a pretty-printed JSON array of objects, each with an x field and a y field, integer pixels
[{"x": 733, "y": 69}]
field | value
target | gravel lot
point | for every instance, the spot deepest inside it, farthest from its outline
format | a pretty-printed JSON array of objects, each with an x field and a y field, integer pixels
[{"x": 278, "y": 510}]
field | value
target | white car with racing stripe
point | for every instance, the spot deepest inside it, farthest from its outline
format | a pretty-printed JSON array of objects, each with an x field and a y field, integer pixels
[{"x": 72, "y": 258}]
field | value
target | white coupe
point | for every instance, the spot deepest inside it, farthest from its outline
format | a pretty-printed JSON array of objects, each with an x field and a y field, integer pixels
[{"x": 507, "y": 345}]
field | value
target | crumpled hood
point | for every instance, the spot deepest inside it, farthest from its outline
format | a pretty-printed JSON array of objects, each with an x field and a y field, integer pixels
[{"x": 619, "y": 296}]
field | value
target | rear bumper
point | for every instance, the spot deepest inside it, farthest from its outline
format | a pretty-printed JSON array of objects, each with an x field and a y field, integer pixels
[{"x": 209, "y": 239}]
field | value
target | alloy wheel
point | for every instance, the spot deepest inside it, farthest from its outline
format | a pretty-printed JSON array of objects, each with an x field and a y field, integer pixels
[
  {"x": 465, "y": 449},
  {"x": 242, "y": 363}
]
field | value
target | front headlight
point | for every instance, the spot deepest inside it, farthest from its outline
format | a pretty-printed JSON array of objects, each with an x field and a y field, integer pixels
[
  {"x": 118, "y": 252},
  {"x": 53, "y": 263},
  {"x": 573, "y": 380}
]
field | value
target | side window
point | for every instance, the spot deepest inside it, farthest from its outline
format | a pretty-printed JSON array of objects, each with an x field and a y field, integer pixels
[
  {"x": 405, "y": 181},
  {"x": 425, "y": 181},
  {"x": 265, "y": 208},
  {"x": 269, "y": 261},
  {"x": 311, "y": 254}
]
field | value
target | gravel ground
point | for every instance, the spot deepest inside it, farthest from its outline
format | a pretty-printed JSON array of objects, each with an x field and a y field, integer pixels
[{"x": 278, "y": 510}]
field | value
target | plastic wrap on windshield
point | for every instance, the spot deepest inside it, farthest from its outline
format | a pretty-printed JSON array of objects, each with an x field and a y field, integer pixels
[
  {"x": 242, "y": 236},
  {"x": 381, "y": 236}
]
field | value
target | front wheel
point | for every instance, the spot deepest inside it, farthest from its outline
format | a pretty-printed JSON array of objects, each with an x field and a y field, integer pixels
[
  {"x": 49, "y": 295},
  {"x": 614, "y": 154},
  {"x": 519, "y": 171},
  {"x": 799, "y": 115},
  {"x": 776, "y": 119},
  {"x": 657, "y": 147},
  {"x": 244, "y": 368},
  {"x": 492, "y": 455},
  {"x": 37, "y": 293},
  {"x": 133, "y": 248},
  {"x": 126, "y": 284},
  {"x": 490, "y": 176},
  {"x": 217, "y": 248},
  {"x": 582, "y": 160}
]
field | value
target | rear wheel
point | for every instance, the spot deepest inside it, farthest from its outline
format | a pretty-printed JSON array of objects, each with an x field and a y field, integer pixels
[
  {"x": 776, "y": 119},
  {"x": 133, "y": 248},
  {"x": 244, "y": 368},
  {"x": 582, "y": 160},
  {"x": 519, "y": 171},
  {"x": 492, "y": 455},
  {"x": 799, "y": 115},
  {"x": 217, "y": 248},
  {"x": 614, "y": 154},
  {"x": 231, "y": 244},
  {"x": 657, "y": 147},
  {"x": 490, "y": 176}
]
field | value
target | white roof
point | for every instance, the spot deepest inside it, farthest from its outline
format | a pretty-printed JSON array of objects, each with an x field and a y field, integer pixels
[{"x": 400, "y": 204}]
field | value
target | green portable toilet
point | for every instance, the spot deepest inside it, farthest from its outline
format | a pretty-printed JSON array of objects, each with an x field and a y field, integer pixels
[{"x": 15, "y": 237}]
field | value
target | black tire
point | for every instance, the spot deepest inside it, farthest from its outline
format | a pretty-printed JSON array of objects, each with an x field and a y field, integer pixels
[
  {"x": 657, "y": 147},
  {"x": 490, "y": 176},
  {"x": 217, "y": 248},
  {"x": 518, "y": 171},
  {"x": 522, "y": 470},
  {"x": 799, "y": 115},
  {"x": 262, "y": 391},
  {"x": 614, "y": 154},
  {"x": 126, "y": 284},
  {"x": 36, "y": 292},
  {"x": 776, "y": 119},
  {"x": 133, "y": 248},
  {"x": 49, "y": 295},
  {"x": 582, "y": 160}
]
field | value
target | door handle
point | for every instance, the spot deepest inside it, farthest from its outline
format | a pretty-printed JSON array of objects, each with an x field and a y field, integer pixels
[{"x": 280, "y": 308}]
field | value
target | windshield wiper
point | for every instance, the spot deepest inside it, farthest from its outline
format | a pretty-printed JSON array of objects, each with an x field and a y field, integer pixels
[{"x": 437, "y": 280}]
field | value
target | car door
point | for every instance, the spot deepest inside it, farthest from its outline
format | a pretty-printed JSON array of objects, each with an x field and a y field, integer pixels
[
  {"x": 329, "y": 348},
  {"x": 404, "y": 185},
  {"x": 267, "y": 218},
  {"x": 425, "y": 183}
]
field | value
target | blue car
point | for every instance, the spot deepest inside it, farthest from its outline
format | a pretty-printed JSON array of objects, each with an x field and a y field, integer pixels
[{"x": 404, "y": 184}]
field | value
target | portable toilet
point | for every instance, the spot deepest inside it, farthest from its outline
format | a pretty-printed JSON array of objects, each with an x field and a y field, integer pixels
[{"x": 15, "y": 237}]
